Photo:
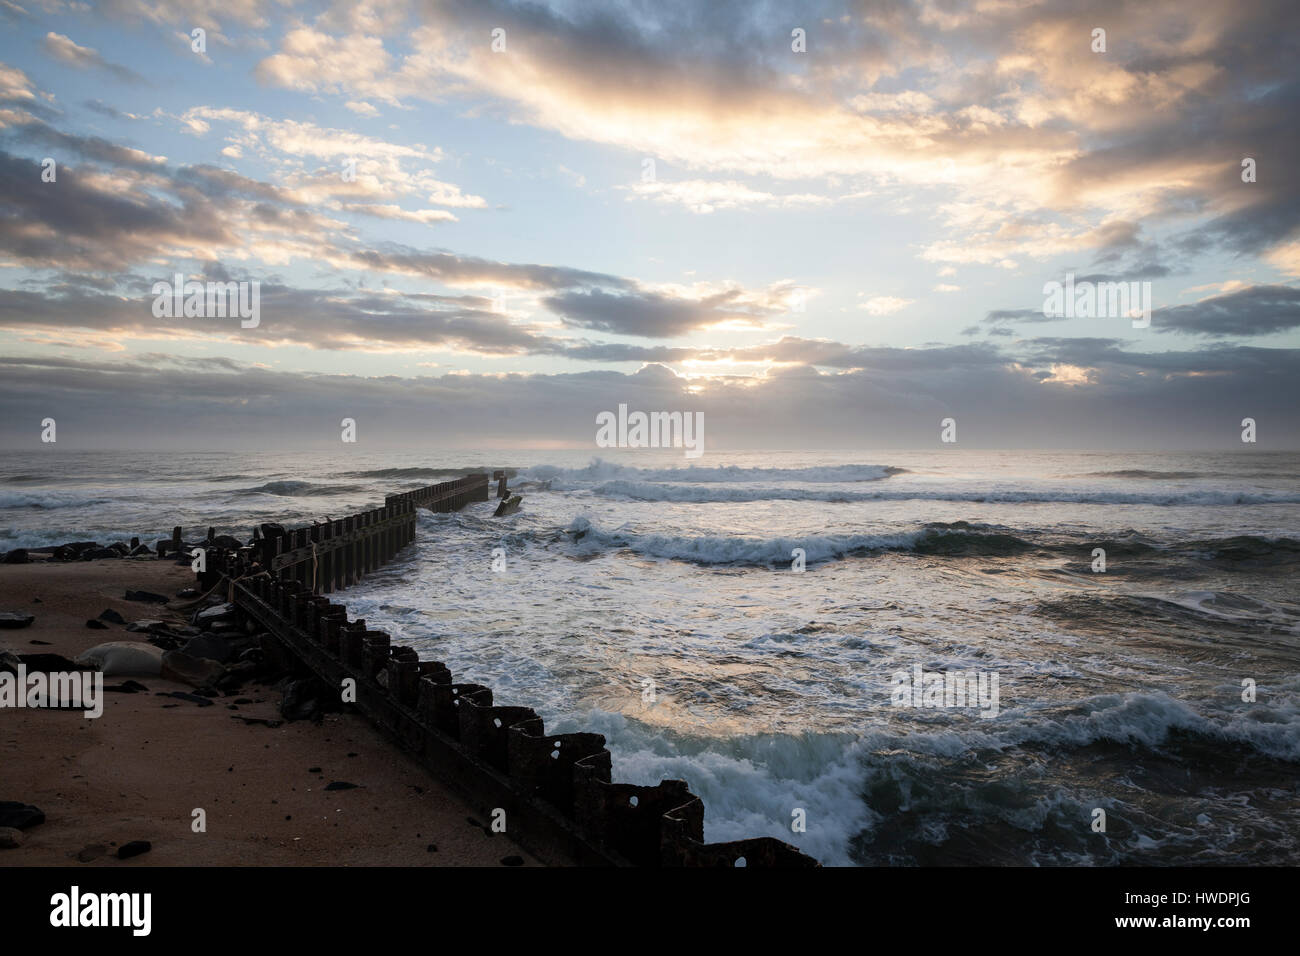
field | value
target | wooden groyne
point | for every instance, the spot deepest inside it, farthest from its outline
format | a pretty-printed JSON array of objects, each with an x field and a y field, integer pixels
[{"x": 555, "y": 790}]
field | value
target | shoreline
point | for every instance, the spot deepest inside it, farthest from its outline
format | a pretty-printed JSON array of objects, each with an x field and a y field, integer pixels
[{"x": 140, "y": 770}]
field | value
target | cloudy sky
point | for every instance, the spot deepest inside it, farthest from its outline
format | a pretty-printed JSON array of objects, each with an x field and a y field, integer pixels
[{"x": 821, "y": 224}]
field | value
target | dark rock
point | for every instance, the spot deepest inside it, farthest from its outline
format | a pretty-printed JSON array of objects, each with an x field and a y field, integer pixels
[
  {"x": 12, "y": 620},
  {"x": 20, "y": 816},
  {"x": 97, "y": 554},
  {"x": 257, "y": 720},
  {"x": 307, "y": 699},
  {"x": 187, "y": 593},
  {"x": 140, "y": 550},
  {"x": 512, "y": 861},
  {"x": 111, "y": 617},
  {"x": 16, "y": 556},
  {"x": 51, "y": 662},
  {"x": 134, "y": 848},
  {"x": 272, "y": 530},
  {"x": 313, "y": 769},
  {"x": 92, "y": 852},
  {"x": 431, "y": 848},
  {"x": 340, "y": 785},
  {"x": 213, "y": 647},
  {"x": 121, "y": 547},
  {"x": 150, "y": 626},
  {"x": 126, "y": 687},
  {"x": 95, "y": 625},
  {"x": 43, "y": 643},
  {"x": 147, "y": 597},
  {"x": 227, "y": 542},
  {"x": 10, "y": 838}
]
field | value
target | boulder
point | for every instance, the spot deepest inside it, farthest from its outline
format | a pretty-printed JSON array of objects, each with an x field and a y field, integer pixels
[
  {"x": 213, "y": 614},
  {"x": 124, "y": 658},
  {"x": 16, "y": 556},
  {"x": 20, "y": 816},
  {"x": 211, "y": 647},
  {"x": 97, "y": 554},
  {"x": 12, "y": 620},
  {"x": 109, "y": 616},
  {"x": 186, "y": 669}
]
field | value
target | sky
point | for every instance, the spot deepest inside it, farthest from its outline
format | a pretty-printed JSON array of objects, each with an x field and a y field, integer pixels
[{"x": 482, "y": 223}]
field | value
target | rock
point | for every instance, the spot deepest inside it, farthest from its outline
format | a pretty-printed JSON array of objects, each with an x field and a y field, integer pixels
[
  {"x": 110, "y": 616},
  {"x": 187, "y": 593},
  {"x": 49, "y": 662},
  {"x": 129, "y": 658},
  {"x": 126, "y": 687},
  {"x": 313, "y": 769},
  {"x": 306, "y": 699},
  {"x": 96, "y": 554},
  {"x": 95, "y": 625},
  {"x": 150, "y": 627},
  {"x": 512, "y": 861},
  {"x": 20, "y": 816},
  {"x": 147, "y": 597},
  {"x": 272, "y": 530},
  {"x": 43, "y": 643},
  {"x": 431, "y": 848},
  {"x": 257, "y": 720},
  {"x": 16, "y": 556},
  {"x": 195, "y": 671},
  {"x": 212, "y": 647},
  {"x": 121, "y": 547},
  {"x": 12, "y": 620},
  {"x": 140, "y": 550},
  {"x": 340, "y": 785},
  {"x": 134, "y": 848},
  {"x": 227, "y": 542},
  {"x": 214, "y": 613},
  {"x": 10, "y": 838},
  {"x": 92, "y": 852}
]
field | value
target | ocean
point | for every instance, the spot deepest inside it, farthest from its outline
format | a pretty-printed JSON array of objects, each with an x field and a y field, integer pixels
[{"x": 741, "y": 622}]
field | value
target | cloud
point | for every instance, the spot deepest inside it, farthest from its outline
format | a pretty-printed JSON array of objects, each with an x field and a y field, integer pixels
[
  {"x": 654, "y": 314},
  {"x": 1257, "y": 310},
  {"x": 884, "y": 304},
  {"x": 68, "y": 52}
]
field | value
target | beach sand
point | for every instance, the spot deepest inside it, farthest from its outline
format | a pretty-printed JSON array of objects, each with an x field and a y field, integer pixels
[{"x": 140, "y": 770}]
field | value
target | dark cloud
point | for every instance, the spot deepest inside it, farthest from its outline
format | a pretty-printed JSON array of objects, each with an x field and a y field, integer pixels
[
  {"x": 1257, "y": 310},
  {"x": 650, "y": 315}
]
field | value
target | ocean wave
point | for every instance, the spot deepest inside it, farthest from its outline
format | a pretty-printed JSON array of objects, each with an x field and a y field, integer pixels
[
  {"x": 771, "y": 552},
  {"x": 296, "y": 489},
  {"x": 600, "y": 470},
  {"x": 652, "y": 491},
  {"x": 48, "y": 500},
  {"x": 445, "y": 473}
]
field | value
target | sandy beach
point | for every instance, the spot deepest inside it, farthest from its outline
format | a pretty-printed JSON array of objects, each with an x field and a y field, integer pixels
[{"x": 140, "y": 770}]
